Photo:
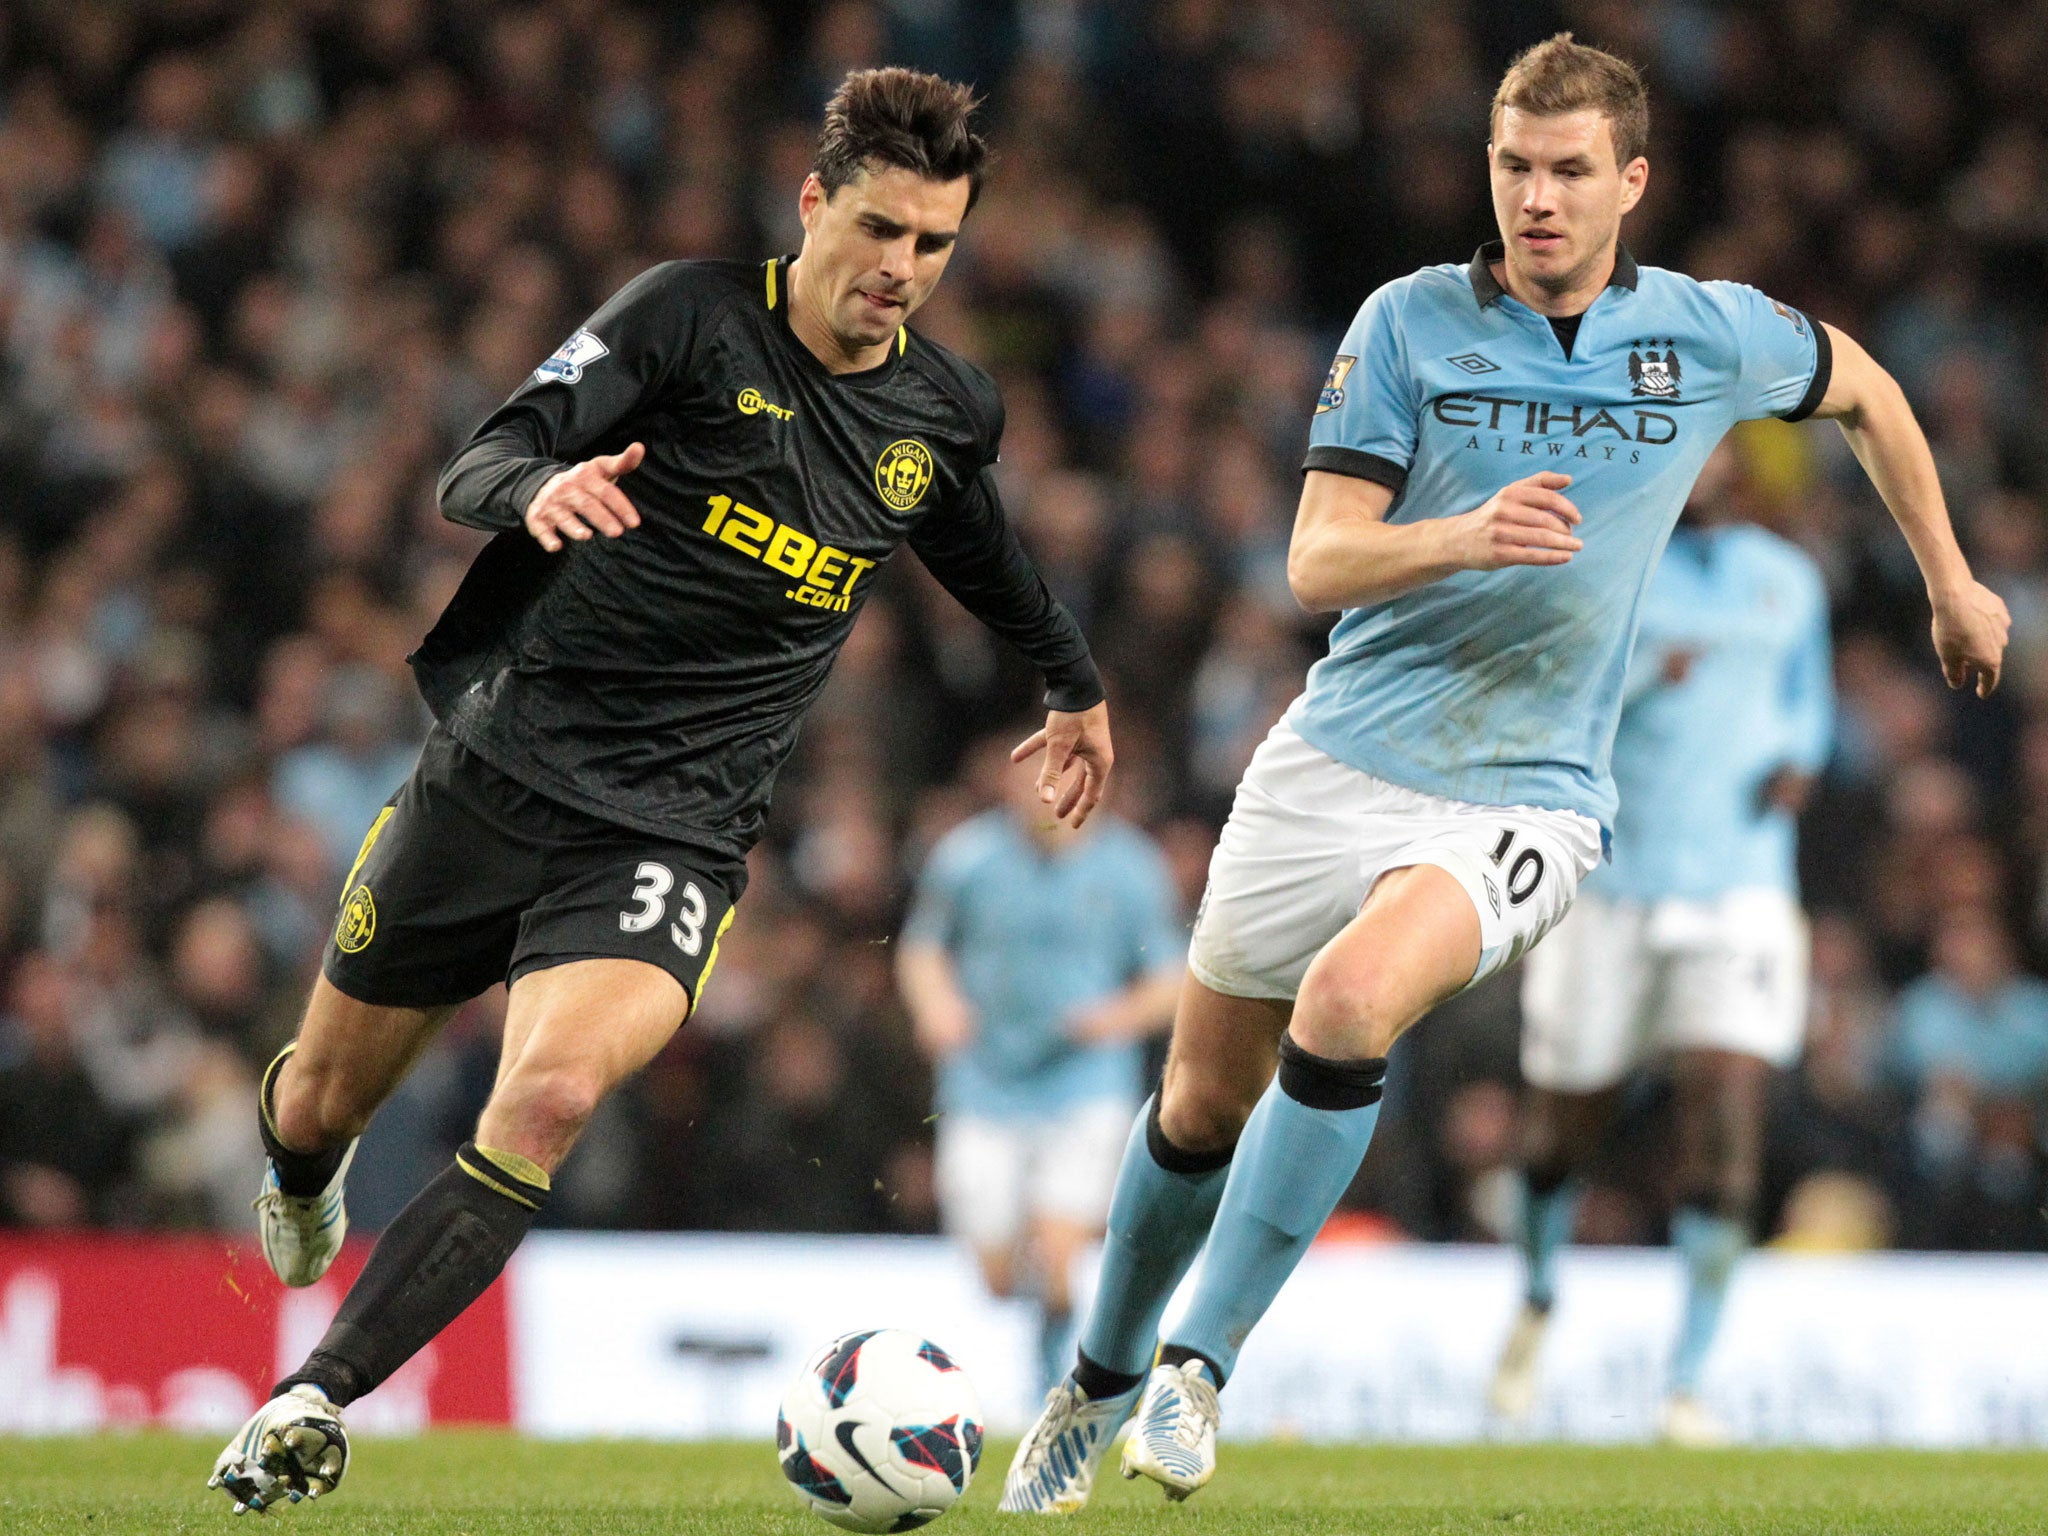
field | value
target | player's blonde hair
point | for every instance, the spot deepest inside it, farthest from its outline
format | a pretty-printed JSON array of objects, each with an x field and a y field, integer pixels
[{"x": 1559, "y": 75}]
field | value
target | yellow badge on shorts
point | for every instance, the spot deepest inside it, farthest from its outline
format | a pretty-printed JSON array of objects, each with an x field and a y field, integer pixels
[
  {"x": 903, "y": 473},
  {"x": 358, "y": 923}
]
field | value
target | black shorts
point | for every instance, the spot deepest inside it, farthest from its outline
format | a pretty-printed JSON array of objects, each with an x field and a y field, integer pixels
[{"x": 468, "y": 877}]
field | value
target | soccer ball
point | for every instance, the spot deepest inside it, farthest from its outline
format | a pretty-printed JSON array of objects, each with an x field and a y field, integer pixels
[{"x": 880, "y": 1431}]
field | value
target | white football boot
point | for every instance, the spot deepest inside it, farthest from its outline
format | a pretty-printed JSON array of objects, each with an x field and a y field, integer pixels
[
  {"x": 293, "y": 1448},
  {"x": 302, "y": 1236},
  {"x": 1173, "y": 1438},
  {"x": 1513, "y": 1390},
  {"x": 1690, "y": 1424},
  {"x": 1053, "y": 1471}
]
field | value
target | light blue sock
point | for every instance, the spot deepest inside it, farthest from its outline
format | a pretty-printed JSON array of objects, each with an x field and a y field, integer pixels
[
  {"x": 1293, "y": 1164},
  {"x": 1710, "y": 1245},
  {"x": 1157, "y": 1220},
  {"x": 1547, "y": 1221}
]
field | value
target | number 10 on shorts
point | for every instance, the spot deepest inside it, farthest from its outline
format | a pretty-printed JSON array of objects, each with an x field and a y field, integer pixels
[{"x": 653, "y": 882}]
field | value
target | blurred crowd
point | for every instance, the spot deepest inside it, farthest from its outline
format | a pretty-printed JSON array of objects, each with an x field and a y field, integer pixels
[{"x": 264, "y": 265}]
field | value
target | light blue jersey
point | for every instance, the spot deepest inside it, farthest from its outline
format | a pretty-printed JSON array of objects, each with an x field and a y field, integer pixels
[
  {"x": 1998, "y": 1042},
  {"x": 1730, "y": 683},
  {"x": 1035, "y": 938},
  {"x": 1503, "y": 687}
]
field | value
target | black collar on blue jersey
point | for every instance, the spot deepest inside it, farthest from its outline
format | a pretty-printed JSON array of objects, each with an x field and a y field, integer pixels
[{"x": 1486, "y": 289}]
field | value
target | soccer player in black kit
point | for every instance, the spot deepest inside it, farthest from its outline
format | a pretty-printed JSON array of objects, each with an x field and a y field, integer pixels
[{"x": 691, "y": 500}]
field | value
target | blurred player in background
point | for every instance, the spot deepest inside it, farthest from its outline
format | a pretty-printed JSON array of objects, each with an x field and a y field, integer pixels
[
  {"x": 1425, "y": 811},
  {"x": 1035, "y": 961},
  {"x": 1693, "y": 943},
  {"x": 690, "y": 500}
]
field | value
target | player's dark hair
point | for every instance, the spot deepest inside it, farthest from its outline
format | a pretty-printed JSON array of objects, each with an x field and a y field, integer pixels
[
  {"x": 903, "y": 118},
  {"x": 1559, "y": 75}
]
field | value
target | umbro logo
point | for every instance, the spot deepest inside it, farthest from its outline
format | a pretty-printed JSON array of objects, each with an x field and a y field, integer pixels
[{"x": 1472, "y": 362}]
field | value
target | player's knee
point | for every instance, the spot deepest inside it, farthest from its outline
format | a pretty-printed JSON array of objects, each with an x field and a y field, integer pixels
[
  {"x": 547, "y": 1108},
  {"x": 1205, "y": 1114},
  {"x": 1345, "y": 1013}
]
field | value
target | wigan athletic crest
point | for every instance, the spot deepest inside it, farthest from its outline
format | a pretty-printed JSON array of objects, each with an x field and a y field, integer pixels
[{"x": 1654, "y": 372}]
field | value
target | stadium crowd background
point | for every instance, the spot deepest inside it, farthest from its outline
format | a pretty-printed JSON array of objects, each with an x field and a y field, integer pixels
[{"x": 263, "y": 265}]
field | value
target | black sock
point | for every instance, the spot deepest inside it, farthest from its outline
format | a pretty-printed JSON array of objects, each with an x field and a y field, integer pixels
[
  {"x": 1177, "y": 1159},
  {"x": 301, "y": 1175},
  {"x": 1099, "y": 1381},
  {"x": 1330, "y": 1082},
  {"x": 1545, "y": 1179},
  {"x": 1177, "y": 1354},
  {"x": 442, "y": 1252}
]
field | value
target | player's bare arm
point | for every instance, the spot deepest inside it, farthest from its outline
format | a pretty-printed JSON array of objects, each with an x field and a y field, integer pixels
[
  {"x": 1078, "y": 757},
  {"x": 1143, "y": 1008},
  {"x": 585, "y": 500},
  {"x": 1970, "y": 620},
  {"x": 941, "y": 1018},
  {"x": 1787, "y": 789},
  {"x": 1344, "y": 554}
]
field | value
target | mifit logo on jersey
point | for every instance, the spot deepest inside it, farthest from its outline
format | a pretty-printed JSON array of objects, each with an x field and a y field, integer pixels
[
  {"x": 751, "y": 403},
  {"x": 827, "y": 574},
  {"x": 1542, "y": 430}
]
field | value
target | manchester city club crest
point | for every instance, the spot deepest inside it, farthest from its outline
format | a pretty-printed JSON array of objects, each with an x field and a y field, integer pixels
[
  {"x": 903, "y": 473},
  {"x": 1654, "y": 372}
]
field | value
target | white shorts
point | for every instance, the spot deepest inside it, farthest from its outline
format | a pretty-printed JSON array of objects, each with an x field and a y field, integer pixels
[
  {"x": 1622, "y": 980},
  {"x": 994, "y": 1175},
  {"x": 1309, "y": 837}
]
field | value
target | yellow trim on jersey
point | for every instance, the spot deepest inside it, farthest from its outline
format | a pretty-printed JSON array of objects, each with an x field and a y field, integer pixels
[
  {"x": 492, "y": 1184},
  {"x": 363, "y": 853},
  {"x": 704, "y": 976},
  {"x": 902, "y": 339},
  {"x": 771, "y": 284},
  {"x": 521, "y": 1168}
]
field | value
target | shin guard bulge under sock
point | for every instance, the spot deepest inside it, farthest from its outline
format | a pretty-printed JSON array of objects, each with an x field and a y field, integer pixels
[
  {"x": 1300, "y": 1150},
  {"x": 442, "y": 1252},
  {"x": 1165, "y": 1200}
]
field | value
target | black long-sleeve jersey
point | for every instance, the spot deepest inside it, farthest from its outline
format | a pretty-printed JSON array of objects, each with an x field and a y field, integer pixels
[{"x": 658, "y": 679}]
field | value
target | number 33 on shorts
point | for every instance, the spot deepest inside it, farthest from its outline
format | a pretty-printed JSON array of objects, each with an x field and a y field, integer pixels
[
  {"x": 681, "y": 914},
  {"x": 655, "y": 881}
]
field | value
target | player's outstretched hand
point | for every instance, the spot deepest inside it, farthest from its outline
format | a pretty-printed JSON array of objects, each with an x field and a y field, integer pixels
[
  {"x": 1527, "y": 523},
  {"x": 585, "y": 499},
  {"x": 1077, "y": 761},
  {"x": 1970, "y": 630}
]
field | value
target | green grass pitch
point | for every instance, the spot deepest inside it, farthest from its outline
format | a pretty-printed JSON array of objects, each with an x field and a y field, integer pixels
[{"x": 460, "y": 1484}]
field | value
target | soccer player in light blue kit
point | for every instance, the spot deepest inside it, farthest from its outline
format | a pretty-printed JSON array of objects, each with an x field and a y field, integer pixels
[
  {"x": 1692, "y": 943},
  {"x": 1425, "y": 811},
  {"x": 1036, "y": 959}
]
